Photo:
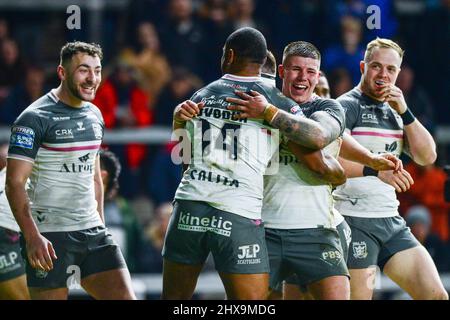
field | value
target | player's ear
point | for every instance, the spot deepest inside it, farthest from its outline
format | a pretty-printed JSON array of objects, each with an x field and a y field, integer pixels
[
  {"x": 281, "y": 71},
  {"x": 230, "y": 56},
  {"x": 61, "y": 72},
  {"x": 362, "y": 66}
]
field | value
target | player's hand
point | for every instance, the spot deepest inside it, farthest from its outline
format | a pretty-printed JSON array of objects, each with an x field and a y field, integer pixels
[
  {"x": 394, "y": 96},
  {"x": 251, "y": 105},
  {"x": 386, "y": 161},
  {"x": 186, "y": 110},
  {"x": 40, "y": 253},
  {"x": 401, "y": 180}
]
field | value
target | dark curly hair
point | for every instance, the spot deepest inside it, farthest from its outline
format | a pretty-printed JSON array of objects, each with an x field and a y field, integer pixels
[{"x": 110, "y": 163}]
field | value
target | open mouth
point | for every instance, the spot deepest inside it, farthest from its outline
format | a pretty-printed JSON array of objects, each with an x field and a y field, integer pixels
[
  {"x": 300, "y": 88},
  {"x": 88, "y": 89},
  {"x": 380, "y": 84}
]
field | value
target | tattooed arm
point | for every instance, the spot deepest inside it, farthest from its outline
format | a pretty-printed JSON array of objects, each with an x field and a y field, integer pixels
[{"x": 314, "y": 133}]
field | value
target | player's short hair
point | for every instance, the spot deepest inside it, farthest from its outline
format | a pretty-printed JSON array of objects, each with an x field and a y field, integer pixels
[
  {"x": 382, "y": 43},
  {"x": 270, "y": 66},
  {"x": 111, "y": 164},
  {"x": 72, "y": 48},
  {"x": 301, "y": 49},
  {"x": 248, "y": 43}
]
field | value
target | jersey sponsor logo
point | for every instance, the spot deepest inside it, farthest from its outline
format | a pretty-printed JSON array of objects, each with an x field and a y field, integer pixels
[
  {"x": 60, "y": 118},
  {"x": 64, "y": 134},
  {"x": 84, "y": 158},
  {"x": 391, "y": 147},
  {"x": 209, "y": 176},
  {"x": 233, "y": 85},
  {"x": 8, "y": 262},
  {"x": 98, "y": 131},
  {"x": 296, "y": 110},
  {"x": 218, "y": 113},
  {"x": 359, "y": 249},
  {"x": 248, "y": 254},
  {"x": 287, "y": 159},
  {"x": 332, "y": 256},
  {"x": 369, "y": 118},
  {"x": 77, "y": 167},
  {"x": 188, "y": 222},
  {"x": 80, "y": 126},
  {"x": 22, "y": 137},
  {"x": 41, "y": 217}
]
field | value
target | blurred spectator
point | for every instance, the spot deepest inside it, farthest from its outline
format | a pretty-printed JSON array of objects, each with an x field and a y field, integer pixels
[
  {"x": 349, "y": 53},
  {"x": 165, "y": 176},
  {"x": 119, "y": 217},
  {"x": 124, "y": 105},
  {"x": 415, "y": 96},
  {"x": 217, "y": 27},
  {"x": 428, "y": 190},
  {"x": 156, "y": 232},
  {"x": 340, "y": 82},
  {"x": 22, "y": 95},
  {"x": 432, "y": 39},
  {"x": 419, "y": 220},
  {"x": 4, "y": 29},
  {"x": 153, "y": 70},
  {"x": 181, "y": 87},
  {"x": 12, "y": 67},
  {"x": 182, "y": 37},
  {"x": 322, "y": 88}
]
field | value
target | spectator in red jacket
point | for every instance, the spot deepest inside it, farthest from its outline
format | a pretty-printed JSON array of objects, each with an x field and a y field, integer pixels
[
  {"x": 428, "y": 190},
  {"x": 124, "y": 105}
]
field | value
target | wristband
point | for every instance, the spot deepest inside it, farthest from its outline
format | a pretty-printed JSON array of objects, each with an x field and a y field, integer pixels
[
  {"x": 178, "y": 121},
  {"x": 407, "y": 117},
  {"x": 270, "y": 112},
  {"x": 368, "y": 171}
]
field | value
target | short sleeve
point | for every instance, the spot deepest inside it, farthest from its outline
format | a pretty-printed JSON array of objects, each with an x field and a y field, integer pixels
[
  {"x": 335, "y": 110},
  {"x": 351, "y": 109},
  {"x": 26, "y": 137}
]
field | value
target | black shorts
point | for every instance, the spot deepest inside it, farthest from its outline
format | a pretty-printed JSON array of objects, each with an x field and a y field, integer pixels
[
  {"x": 195, "y": 229},
  {"x": 376, "y": 240},
  {"x": 80, "y": 254},
  {"x": 11, "y": 262}
]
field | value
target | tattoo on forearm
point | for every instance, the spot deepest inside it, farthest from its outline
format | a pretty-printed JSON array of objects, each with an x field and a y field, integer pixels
[{"x": 300, "y": 130}]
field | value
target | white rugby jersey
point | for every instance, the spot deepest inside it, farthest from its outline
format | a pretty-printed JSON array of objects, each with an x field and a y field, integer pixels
[
  {"x": 229, "y": 157},
  {"x": 296, "y": 198},
  {"x": 379, "y": 128},
  {"x": 6, "y": 216},
  {"x": 62, "y": 142}
]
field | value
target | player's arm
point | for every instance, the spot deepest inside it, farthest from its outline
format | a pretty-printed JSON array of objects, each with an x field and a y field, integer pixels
[
  {"x": 359, "y": 162},
  {"x": 353, "y": 151},
  {"x": 99, "y": 189},
  {"x": 419, "y": 143},
  {"x": 40, "y": 251},
  {"x": 185, "y": 111},
  {"x": 306, "y": 132},
  {"x": 325, "y": 166}
]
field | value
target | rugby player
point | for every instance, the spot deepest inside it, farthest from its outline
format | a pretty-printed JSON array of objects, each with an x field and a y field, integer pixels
[
  {"x": 378, "y": 117},
  {"x": 13, "y": 281},
  {"x": 54, "y": 143}
]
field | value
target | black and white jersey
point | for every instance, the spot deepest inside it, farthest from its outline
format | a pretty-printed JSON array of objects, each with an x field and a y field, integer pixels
[
  {"x": 379, "y": 128},
  {"x": 62, "y": 142}
]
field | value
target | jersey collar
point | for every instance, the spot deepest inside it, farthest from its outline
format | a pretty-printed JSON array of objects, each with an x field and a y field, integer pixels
[{"x": 233, "y": 77}]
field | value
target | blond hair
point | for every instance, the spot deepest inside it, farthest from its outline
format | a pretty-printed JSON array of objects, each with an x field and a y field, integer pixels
[{"x": 382, "y": 43}]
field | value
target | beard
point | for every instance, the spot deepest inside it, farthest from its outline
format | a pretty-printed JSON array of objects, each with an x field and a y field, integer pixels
[{"x": 76, "y": 92}]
